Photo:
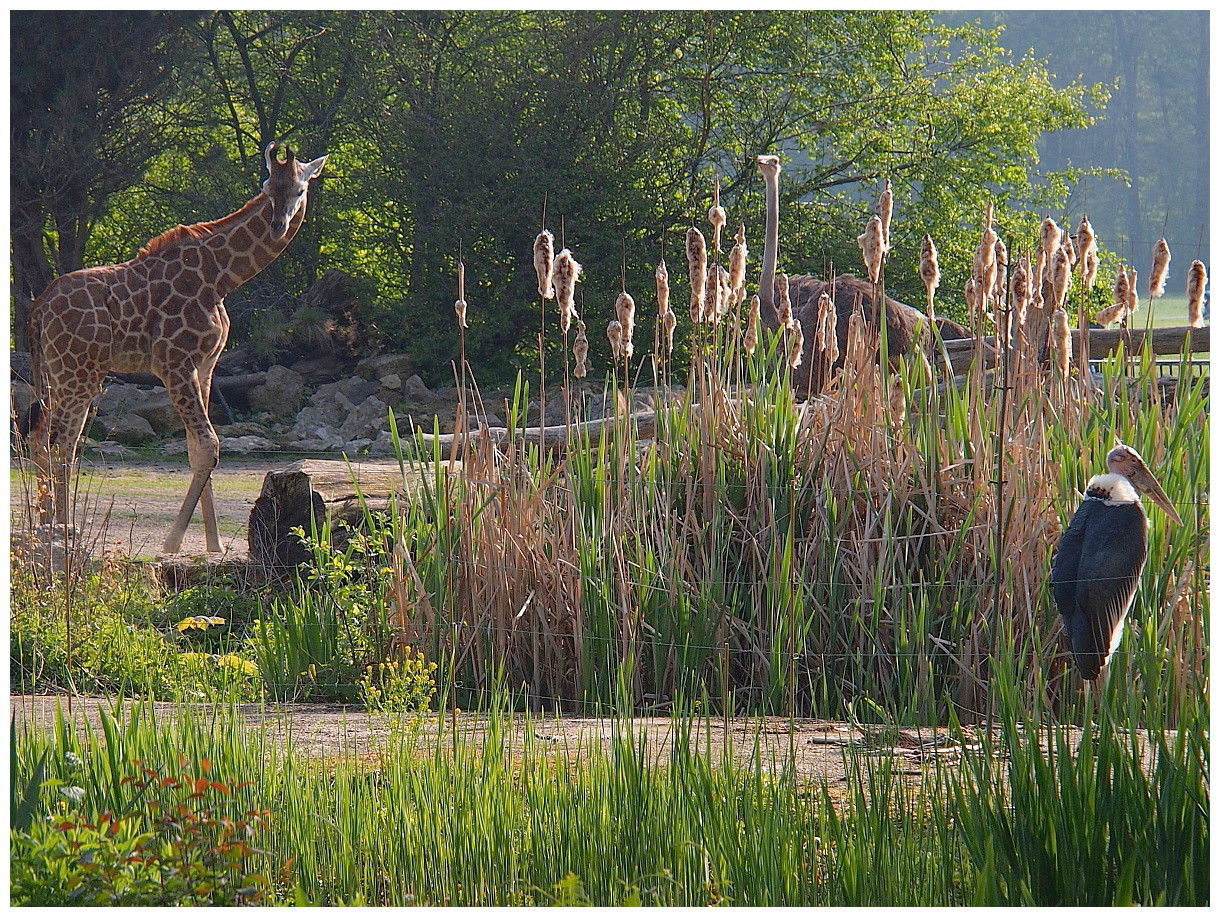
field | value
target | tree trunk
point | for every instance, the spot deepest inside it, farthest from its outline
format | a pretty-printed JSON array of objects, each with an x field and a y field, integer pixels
[{"x": 312, "y": 493}]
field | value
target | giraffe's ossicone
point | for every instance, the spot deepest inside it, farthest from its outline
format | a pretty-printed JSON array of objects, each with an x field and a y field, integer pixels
[{"x": 161, "y": 312}]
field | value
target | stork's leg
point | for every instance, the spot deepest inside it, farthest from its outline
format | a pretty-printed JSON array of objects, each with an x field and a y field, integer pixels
[{"x": 203, "y": 446}]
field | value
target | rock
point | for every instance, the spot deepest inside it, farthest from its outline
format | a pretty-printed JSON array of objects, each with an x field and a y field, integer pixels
[
  {"x": 120, "y": 397},
  {"x": 385, "y": 364},
  {"x": 393, "y": 381},
  {"x": 131, "y": 429},
  {"x": 244, "y": 445},
  {"x": 159, "y": 411},
  {"x": 414, "y": 389},
  {"x": 23, "y": 396},
  {"x": 366, "y": 421},
  {"x": 281, "y": 395},
  {"x": 243, "y": 428},
  {"x": 173, "y": 447}
]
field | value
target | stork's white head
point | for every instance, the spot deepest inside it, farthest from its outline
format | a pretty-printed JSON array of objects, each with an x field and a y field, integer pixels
[{"x": 1125, "y": 461}]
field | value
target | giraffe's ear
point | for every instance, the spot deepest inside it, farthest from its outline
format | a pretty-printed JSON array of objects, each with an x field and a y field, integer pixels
[{"x": 311, "y": 170}]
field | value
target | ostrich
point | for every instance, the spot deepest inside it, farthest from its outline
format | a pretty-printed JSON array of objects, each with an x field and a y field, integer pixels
[{"x": 846, "y": 290}]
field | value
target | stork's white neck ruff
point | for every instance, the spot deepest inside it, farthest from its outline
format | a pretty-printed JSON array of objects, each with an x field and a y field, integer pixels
[{"x": 1111, "y": 489}]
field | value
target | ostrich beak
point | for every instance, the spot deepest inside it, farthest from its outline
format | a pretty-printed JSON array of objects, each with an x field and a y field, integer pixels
[{"x": 1145, "y": 483}]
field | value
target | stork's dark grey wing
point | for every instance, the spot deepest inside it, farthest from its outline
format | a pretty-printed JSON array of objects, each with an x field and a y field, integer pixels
[
  {"x": 1065, "y": 570},
  {"x": 1110, "y": 548}
]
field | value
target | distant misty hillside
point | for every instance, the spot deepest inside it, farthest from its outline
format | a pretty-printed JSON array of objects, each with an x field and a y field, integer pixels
[{"x": 1155, "y": 126}]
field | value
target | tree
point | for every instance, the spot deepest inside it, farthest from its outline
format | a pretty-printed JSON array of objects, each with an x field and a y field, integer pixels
[{"x": 92, "y": 103}]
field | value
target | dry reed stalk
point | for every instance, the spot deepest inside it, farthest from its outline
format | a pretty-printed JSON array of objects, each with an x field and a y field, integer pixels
[
  {"x": 1196, "y": 286},
  {"x": 872, "y": 244},
  {"x": 1061, "y": 341},
  {"x": 624, "y": 308},
  {"x": 696, "y": 262},
  {"x": 544, "y": 263},
  {"x": 929, "y": 273},
  {"x": 716, "y": 217},
  {"x": 1160, "y": 269},
  {"x": 753, "y": 324},
  {"x": 737, "y": 266},
  {"x": 885, "y": 210},
  {"x": 567, "y": 273},
  {"x": 784, "y": 312}
]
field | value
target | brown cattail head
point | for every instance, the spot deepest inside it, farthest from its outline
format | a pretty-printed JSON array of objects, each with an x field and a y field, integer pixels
[
  {"x": 784, "y": 311},
  {"x": 1086, "y": 243},
  {"x": 614, "y": 331},
  {"x": 1110, "y": 314},
  {"x": 1021, "y": 292},
  {"x": 668, "y": 323},
  {"x": 885, "y": 209},
  {"x": 929, "y": 267},
  {"x": 1049, "y": 235},
  {"x": 1160, "y": 269},
  {"x": 544, "y": 263},
  {"x": 696, "y": 262},
  {"x": 662, "y": 276},
  {"x": 857, "y": 337},
  {"x": 624, "y": 308},
  {"x": 724, "y": 297},
  {"x": 1001, "y": 269},
  {"x": 460, "y": 306},
  {"x": 737, "y": 267},
  {"x": 872, "y": 243},
  {"x": 716, "y": 217},
  {"x": 1068, "y": 244},
  {"x": 1133, "y": 296},
  {"x": 566, "y": 274},
  {"x": 1061, "y": 275},
  {"x": 1061, "y": 340},
  {"x": 753, "y": 322},
  {"x": 1039, "y": 278},
  {"x": 826, "y": 339},
  {"x": 580, "y": 351},
  {"x": 796, "y": 350},
  {"x": 985, "y": 266},
  {"x": 1196, "y": 287},
  {"x": 1121, "y": 285}
]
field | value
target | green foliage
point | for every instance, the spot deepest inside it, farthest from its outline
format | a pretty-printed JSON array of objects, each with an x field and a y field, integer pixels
[
  {"x": 398, "y": 688},
  {"x": 175, "y": 849}
]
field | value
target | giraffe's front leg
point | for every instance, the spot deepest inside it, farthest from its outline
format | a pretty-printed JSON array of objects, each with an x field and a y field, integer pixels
[{"x": 203, "y": 446}]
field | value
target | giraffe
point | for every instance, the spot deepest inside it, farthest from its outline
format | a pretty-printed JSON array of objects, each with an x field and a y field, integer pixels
[{"x": 161, "y": 312}]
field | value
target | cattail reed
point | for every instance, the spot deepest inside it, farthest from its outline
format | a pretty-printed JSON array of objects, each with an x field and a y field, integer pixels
[
  {"x": 1061, "y": 276},
  {"x": 696, "y": 262},
  {"x": 567, "y": 272},
  {"x": 662, "y": 275},
  {"x": 753, "y": 323},
  {"x": 544, "y": 263},
  {"x": 1160, "y": 269},
  {"x": 796, "y": 350},
  {"x": 460, "y": 306},
  {"x": 1068, "y": 245},
  {"x": 1086, "y": 241},
  {"x": 784, "y": 312},
  {"x": 1061, "y": 340},
  {"x": 929, "y": 272},
  {"x": 1038, "y": 279},
  {"x": 1122, "y": 285},
  {"x": 1196, "y": 287},
  {"x": 1111, "y": 314},
  {"x": 724, "y": 297},
  {"x": 737, "y": 267},
  {"x": 827, "y": 337},
  {"x": 624, "y": 308},
  {"x": 716, "y": 217},
  {"x": 580, "y": 351},
  {"x": 872, "y": 243},
  {"x": 614, "y": 331},
  {"x": 1049, "y": 236},
  {"x": 1021, "y": 296},
  {"x": 1133, "y": 297},
  {"x": 664, "y": 329},
  {"x": 668, "y": 324},
  {"x": 1001, "y": 267},
  {"x": 985, "y": 266},
  {"x": 885, "y": 209},
  {"x": 712, "y": 304}
]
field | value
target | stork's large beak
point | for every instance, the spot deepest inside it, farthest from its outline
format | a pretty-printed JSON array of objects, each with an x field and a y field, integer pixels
[{"x": 1146, "y": 484}]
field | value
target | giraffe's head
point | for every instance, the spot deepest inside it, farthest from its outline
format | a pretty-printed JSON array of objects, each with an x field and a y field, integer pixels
[{"x": 287, "y": 185}]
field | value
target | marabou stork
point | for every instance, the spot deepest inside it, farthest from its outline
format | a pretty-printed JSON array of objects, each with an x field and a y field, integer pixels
[{"x": 1100, "y": 557}]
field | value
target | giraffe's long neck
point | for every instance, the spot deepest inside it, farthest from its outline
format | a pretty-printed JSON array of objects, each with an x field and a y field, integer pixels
[
  {"x": 245, "y": 247},
  {"x": 766, "y": 282}
]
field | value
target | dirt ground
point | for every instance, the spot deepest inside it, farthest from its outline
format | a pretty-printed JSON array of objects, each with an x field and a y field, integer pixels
[{"x": 821, "y": 750}]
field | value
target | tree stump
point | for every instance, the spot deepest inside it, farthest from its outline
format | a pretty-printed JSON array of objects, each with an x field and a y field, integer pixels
[{"x": 313, "y": 493}]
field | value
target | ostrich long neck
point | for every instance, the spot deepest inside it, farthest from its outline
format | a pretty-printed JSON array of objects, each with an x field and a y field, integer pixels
[{"x": 766, "y": 282}]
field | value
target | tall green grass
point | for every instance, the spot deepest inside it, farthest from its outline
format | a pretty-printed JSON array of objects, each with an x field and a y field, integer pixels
[{"x": 495, "y": 817}]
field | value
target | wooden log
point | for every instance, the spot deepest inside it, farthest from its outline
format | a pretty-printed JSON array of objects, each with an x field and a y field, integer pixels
[
  {"x": 313, "y": 492},
  {"x": 553, "y": 438},
  {"x": 1165, "y": 341}
]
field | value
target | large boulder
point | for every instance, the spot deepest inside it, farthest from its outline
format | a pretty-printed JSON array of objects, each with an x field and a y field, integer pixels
[
  {"x": 386, "y": 364},
  {"x": 129, "y": 429},
  {"x": 281, "y": 395}
]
